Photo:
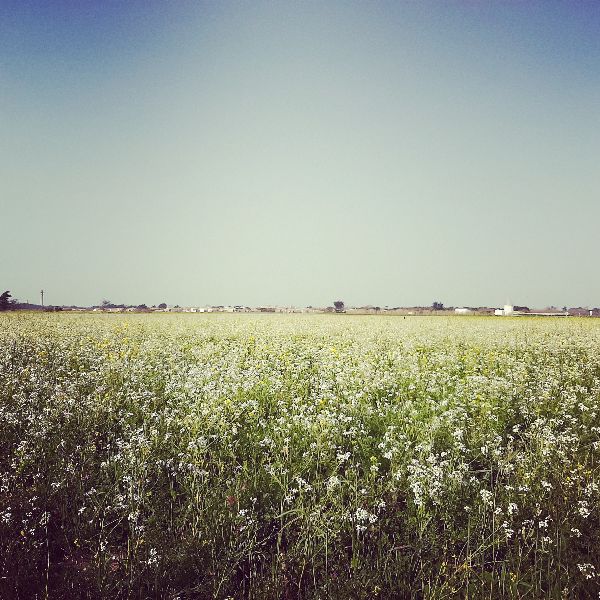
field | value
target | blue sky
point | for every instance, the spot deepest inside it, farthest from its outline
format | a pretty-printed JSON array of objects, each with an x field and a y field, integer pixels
[{"x": 254, "y": 153}]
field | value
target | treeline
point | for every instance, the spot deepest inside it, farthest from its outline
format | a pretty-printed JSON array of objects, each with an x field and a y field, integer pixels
[{"x": 7, "y": 302}]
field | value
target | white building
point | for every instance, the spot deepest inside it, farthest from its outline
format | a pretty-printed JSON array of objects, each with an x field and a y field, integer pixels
[{"x": 507, "y": 311}]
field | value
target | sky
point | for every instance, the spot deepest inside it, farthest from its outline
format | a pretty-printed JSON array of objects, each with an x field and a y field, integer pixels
[{"x": 386, "y": 153}]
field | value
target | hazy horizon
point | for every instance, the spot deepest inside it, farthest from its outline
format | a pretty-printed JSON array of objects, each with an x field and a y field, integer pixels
[{"x": 295, "y": 153}]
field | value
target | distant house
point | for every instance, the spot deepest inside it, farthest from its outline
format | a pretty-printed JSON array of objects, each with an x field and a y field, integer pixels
[
  {"x": 463, "y": 311},
  {"x": 516, "y": 311},
  {"x": 580, "y": 311}
]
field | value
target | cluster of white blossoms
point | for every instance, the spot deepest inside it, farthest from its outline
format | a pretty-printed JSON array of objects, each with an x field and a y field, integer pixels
[{"x": 250, "y": 435}]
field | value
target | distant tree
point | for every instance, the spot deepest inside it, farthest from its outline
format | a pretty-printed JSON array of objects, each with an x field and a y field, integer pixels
[
  {"x": 5, "y": 300},
  {"x": 162, "y": 305},
  {"x": 106, "y": 304},
  {"x": 437, "y": 306},
  {"x": 339, "y": 306},
  {"x": 142, "y": 307}
]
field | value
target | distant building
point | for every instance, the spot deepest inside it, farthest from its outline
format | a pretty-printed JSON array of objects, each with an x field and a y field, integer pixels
[
  {"x": 463, "y": 311},
  {"x": 580, "y": 311},
  {"x": 517, "y": 311}
]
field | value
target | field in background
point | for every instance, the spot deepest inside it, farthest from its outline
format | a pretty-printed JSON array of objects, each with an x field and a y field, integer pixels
[{"x": 201, "y": 456}]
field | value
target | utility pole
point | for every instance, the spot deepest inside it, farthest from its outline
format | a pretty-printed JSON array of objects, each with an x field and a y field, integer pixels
[{"x": 42, "y": 293}]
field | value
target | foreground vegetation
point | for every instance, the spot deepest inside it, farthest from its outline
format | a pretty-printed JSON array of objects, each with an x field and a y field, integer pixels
[{"x": 222, "y": 456}]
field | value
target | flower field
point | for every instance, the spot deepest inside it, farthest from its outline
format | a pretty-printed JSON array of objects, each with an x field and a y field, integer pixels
[{"x": 298, "y": 456}]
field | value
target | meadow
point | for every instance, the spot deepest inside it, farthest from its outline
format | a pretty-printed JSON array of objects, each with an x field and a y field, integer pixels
[{"x": 298, "y": 456}]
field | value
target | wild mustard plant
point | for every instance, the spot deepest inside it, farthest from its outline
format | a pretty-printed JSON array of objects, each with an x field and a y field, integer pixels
[{"x": 245, "y": 456}]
